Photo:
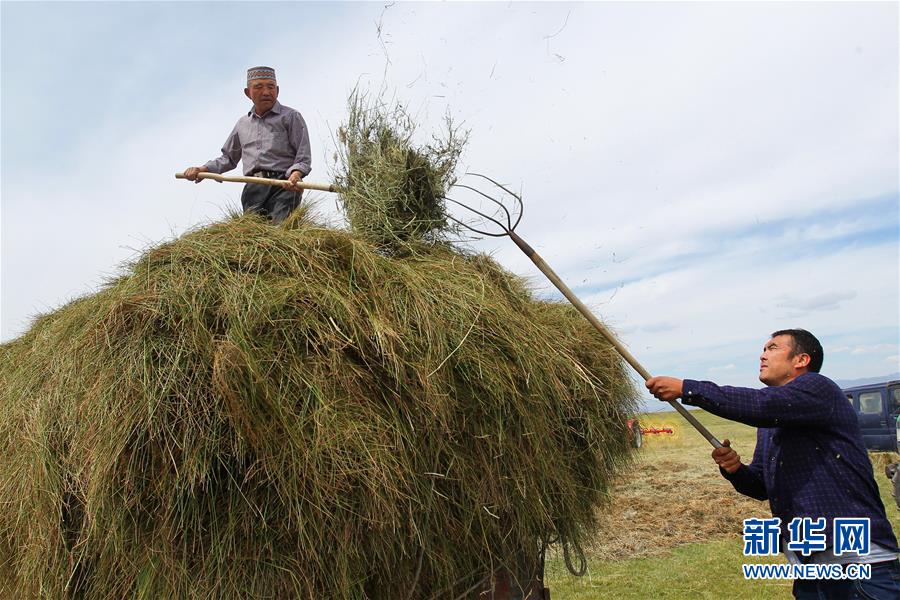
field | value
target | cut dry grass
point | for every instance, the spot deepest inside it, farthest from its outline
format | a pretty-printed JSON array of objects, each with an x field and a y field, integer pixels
[
  {"x": 267, "y": 412},
  {"x": 393, "y": 187},
  {"x": 675, "y": 495}
]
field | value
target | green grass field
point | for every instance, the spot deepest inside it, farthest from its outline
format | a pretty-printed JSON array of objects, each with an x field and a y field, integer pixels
[{"x": 673, "y": 529}]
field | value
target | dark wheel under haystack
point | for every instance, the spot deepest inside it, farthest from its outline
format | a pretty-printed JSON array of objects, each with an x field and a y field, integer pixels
[{"x": 287, "y": 412}]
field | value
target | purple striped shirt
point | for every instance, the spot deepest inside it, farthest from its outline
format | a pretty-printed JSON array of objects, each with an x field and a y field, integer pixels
[
  {"x": 276, "y": 141},
  {"x": 809, "y": 460}
]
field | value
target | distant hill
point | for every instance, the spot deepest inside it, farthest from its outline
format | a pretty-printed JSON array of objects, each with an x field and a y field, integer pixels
[
  {"x": 652, "y": 405},
  {"x": 845, "y": 383}
]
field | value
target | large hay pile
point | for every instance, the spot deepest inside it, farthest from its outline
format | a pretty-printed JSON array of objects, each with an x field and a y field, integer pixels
[{"x": 273, "y": 412}]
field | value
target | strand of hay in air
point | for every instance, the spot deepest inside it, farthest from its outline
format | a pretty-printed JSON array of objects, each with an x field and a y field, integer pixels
[
  {"x": 287, "y": 412},
  {"x": 393, "y": 188}
]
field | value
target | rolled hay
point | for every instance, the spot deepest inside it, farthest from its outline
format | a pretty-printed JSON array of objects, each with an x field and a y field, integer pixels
[
  {"x": 284, "y": 412},
  {"x": 393, "y": 188}
]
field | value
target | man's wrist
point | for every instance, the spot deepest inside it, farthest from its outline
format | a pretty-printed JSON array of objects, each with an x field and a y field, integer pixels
[{"x": 728, "y": 475}]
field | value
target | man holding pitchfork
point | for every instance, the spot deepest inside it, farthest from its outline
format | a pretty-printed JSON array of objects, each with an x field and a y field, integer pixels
[
  {"x": 810, "y": 463},
  {"x": 272, "y": 141}
]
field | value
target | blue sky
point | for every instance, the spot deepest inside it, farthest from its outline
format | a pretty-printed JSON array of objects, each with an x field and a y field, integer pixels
[{"x": 701, "y": 173}]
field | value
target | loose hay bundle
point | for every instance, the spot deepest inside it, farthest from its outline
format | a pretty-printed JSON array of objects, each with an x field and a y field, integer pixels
[
  {"x": 393, "y": 190},
  {"x": 278, "y": 412}
]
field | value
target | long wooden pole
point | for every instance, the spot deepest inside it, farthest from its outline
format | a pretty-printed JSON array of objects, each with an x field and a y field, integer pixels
[
  {"x": 322, "y": 187},
  {"x": 622, "y": 350}
]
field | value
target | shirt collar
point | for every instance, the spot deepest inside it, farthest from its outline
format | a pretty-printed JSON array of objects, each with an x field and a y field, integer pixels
[{"x": 276, "y": 108}]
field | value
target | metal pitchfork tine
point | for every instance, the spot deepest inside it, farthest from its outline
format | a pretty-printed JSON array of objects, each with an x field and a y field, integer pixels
[{"x": 507, "y": 229}]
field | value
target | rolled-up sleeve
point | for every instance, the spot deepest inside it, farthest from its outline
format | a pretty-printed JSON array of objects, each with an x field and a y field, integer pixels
[
  {"x": 299, "y": 137},
  {"x": 231, "y": 154}
]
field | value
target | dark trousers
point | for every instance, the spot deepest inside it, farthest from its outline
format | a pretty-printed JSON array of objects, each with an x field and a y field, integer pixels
[
  {"x": 270, "y": 201},
  {"x": 884, "y": 585}
]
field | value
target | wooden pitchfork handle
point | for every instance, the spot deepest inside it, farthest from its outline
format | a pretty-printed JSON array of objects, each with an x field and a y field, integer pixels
[
  {"x": 322, "y": 187},
  {"x": 622, "y": 350}
]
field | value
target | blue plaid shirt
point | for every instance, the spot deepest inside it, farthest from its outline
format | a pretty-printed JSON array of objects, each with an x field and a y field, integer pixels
[{"x": 809, "y": 460}]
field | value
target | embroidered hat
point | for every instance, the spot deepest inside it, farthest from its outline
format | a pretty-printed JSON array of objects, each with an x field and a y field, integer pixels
[{"x": 260, "y": 73}]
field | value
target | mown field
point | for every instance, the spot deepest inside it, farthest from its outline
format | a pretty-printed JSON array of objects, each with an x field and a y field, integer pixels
[{"x": 674, "y": 526}]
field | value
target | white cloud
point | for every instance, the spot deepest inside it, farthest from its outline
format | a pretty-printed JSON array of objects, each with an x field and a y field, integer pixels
[
  {"x": 863, "y": 349},
  {"x": 825, "y": 301},
  {"x": 874, "y": 349}
]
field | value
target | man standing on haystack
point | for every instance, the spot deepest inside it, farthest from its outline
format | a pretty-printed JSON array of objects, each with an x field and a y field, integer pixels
[
  {"x": 810, "y": 463},
  {"x": 272, "y": 141}
]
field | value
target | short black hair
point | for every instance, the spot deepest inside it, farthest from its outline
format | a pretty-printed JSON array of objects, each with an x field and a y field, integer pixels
[{"x": 805, "y": 343}]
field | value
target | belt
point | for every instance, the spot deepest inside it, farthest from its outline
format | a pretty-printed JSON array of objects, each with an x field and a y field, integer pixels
[{"x": 269, "y": 174}]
